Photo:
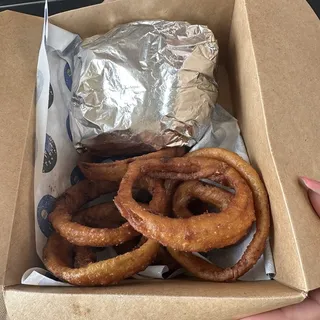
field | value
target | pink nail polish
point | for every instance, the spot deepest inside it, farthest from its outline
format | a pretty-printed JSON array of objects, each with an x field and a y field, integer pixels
[{"x": 310, "y": 184}]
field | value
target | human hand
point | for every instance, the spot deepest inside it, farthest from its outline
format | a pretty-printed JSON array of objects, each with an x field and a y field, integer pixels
[
  {"x": 313, "y": 189},
  {"x": 309, "y": 309}
]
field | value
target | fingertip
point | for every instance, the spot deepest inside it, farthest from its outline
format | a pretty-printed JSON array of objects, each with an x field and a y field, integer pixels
[
  {"x": 313, "y": 188},
  {"x": 310, "y": 184},
  {"x": 315, "y": 201}
]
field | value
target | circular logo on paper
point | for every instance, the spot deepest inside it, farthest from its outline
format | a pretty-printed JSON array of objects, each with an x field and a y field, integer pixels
[
  {"x": 68, "y": 76},
  {"x": 50, "y": 155},
  {"x": 45, "y": 207},
  {"x": 76, "y": 176},
  {"x": 68, "y": 128},
  {"x": 51, "y": 96}
]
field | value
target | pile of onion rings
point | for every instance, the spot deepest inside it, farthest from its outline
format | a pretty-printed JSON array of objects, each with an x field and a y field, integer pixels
[{"x": 178, "y": 184}]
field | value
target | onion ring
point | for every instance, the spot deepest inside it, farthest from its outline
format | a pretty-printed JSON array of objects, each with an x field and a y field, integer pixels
[
  {"x": 57, "y": 259},
  {"x": 206, "y": 193},
  {"x": 114, "y": 171},
  {"x": 58, "y": 251},
  {"x": 106, "y": 215},
  {"x": 76, "y": 196},
  {"x": 250, "y": 175},
  {"x": 260, "y": 195},
  {"x": 208, "y": 271},
  {"x": 194, "y": 233},
  {"x": 71, "y": 201}
]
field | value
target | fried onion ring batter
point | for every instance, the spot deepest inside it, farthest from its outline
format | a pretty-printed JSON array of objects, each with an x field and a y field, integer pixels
[
  {"x": 78, "y": 195},
  {"x": 208, "y": 271},
  {"x": 107, "y": 215},
  {"x": 71, "y": 201},
  {"x": 57, "y": 254},
  {"x": 57, "y": 258},
  {"x": 196, "y": 233}
]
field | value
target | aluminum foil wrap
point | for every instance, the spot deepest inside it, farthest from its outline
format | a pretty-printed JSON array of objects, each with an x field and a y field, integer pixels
[{"x": 143, "y": 86}]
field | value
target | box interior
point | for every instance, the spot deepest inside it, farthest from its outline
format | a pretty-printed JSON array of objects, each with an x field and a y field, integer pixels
[{"x": 241, "y": 59}]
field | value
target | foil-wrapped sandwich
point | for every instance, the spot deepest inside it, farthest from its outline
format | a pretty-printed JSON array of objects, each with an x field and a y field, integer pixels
[{"x": 143, "y": 86}]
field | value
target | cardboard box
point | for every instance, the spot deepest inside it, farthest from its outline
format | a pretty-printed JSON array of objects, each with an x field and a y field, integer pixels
[{"x": 269, "y": 50}]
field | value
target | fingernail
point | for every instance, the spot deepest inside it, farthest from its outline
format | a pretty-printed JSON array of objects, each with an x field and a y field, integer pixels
[{"x": 310, "y": 184}]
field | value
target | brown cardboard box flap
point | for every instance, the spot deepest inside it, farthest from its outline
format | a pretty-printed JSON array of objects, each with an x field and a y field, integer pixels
[
  {"x": 151, "y": 299},
  {"x": 19, "y": 42},
  {"x": 286, "y": 46}
]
